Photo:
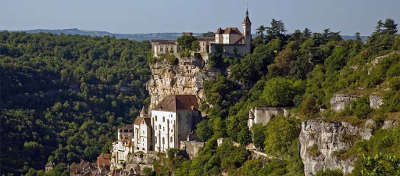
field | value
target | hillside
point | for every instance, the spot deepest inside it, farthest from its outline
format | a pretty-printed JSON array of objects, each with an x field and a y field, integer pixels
[{"x": 63, "y": 97}]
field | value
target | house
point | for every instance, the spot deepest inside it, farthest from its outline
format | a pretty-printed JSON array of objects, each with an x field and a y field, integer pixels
[
  {"x": 123, "y": 146},
  {"x": 173, "y": 120},
  {"x": 142, "y": 139},
  {"x": 49, "y": 166},
  {"x": 103, "y": 164}
]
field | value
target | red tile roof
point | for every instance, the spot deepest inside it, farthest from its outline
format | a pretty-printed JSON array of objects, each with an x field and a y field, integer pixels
[{"x": 173, "y": 103}]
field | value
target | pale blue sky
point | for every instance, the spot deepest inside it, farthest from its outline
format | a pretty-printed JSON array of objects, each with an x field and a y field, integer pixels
[{"x": 148, "y": 16}]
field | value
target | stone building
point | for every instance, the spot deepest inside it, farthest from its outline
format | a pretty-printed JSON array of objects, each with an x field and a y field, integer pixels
[
  {"x": 173, "y": 120},
  {"x": 229, "y": 41},
  {"x": 142, "y": 139},
  {"x": 49, "y": 166},
  {"x": 262, "y": 115},
  {"x": 123, "y": 146},
  {"x": 160, "y": 47}
]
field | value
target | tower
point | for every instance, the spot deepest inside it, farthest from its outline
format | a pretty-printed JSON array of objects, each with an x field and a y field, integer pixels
[{"x": 246, "y": 25}]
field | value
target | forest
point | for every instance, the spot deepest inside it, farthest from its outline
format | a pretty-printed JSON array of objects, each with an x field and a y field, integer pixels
[{"x": 62, "y": 97}]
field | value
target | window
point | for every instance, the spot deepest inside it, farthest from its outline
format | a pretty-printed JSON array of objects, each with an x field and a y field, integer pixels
[
  {"x": 171, "y": 139},
  {"x": 156, "y": 118},
  {"x": 163, "y": 119},
  {"x": 163, "y": 141},
  {"x": 159, "y": 127}
]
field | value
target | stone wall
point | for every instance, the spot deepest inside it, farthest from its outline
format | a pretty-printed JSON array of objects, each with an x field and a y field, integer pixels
[
  {"x": 375, "y": 101},
  {"x": 340, "y": 101},
  {"x": 262, "y": 115},
  {"x": 230, "y": 49},
  {"x": 191, "y": 147}
]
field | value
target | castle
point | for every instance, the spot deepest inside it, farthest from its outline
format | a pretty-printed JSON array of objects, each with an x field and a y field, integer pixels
[{"x": 229, "y": 41}]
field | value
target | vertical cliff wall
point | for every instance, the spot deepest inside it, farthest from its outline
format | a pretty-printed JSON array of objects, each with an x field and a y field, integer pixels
[{"x": 184, "y": 78}]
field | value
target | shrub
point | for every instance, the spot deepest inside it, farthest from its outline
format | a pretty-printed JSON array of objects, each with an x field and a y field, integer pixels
[
  {"x": 329, "y": 172},
  {"x": 258, "y": 136},
  {"x": 395, "y": 83},
  {"x": 309, "y": 107},
  {"x": 314, "y": 150},
  {"x": 361, "y": 107},
  {"x": 203, "y": 131}
]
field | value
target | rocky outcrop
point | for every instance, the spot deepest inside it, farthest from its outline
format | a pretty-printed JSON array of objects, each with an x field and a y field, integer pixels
[
  {"x": 340, "y": 101},
  {"x": 262, "y": 115},
  {"x": 375, "y": 101},
  {"x": 185, "y": 78},
  {"x": 320, "y": 141},
  {"x": 192, "y": 148}
]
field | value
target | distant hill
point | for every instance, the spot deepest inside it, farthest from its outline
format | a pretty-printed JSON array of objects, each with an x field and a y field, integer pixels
[{"x": 138, "y": 37}]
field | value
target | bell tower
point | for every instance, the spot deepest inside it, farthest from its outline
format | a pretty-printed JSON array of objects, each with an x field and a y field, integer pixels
[{"x": 246, "y": 25}]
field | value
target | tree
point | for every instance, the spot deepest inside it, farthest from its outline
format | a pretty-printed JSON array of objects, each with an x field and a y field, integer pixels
[
  {"x": 244, "y": 136},
  {"x": 281, "y": 133},
  {"x": 258, "y": 136},
  {"x": 260, "y": 31},
  {"x": 390, "y": 27},
  {"x": 276, "y": 30},
  {"x": 279, "y": 92},
  {"x": 203, "y": 131}
]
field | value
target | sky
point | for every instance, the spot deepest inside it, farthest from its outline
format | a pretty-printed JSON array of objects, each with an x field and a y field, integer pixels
[{"x": 153, "y": 16}]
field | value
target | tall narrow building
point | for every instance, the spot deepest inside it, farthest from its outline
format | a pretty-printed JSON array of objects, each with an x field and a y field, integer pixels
[{"x": 246, "y": 25}]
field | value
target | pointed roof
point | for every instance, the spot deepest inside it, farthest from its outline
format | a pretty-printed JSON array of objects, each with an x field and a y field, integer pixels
[
  {"x": 140, "y": 120},
  {"x": 173, "y": 103},
  {"x": 232, "y": 30},
  {"x": 142, "y": 112},
  {"x": 246, "y": 19},
  {"x": 219, "y": 31}
]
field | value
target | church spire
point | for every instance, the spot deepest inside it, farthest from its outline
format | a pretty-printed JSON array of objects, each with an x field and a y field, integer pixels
[{"x": 247, "y": 19}]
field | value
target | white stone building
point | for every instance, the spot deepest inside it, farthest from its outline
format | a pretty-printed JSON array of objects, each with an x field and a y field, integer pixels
[
  {"x": 173, "y": 120},
  {"x": 123, "y": 146},
  {"x": 262, "y": 115},
  {"x": 142, "y": 139}
]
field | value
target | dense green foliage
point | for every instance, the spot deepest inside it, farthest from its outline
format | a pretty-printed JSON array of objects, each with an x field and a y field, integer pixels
[{"x": 63, "y": 97}]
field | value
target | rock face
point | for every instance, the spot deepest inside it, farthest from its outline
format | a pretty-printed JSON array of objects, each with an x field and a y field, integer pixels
[
  {"x": 262, "y": 115},
  {"x": 375, "y": 101},
  {"x": 340, "y": 101},
  {"x": 320, "y": 140},
  {"x": 185, "y": 78},
  {"x": 191, "y": 147}
]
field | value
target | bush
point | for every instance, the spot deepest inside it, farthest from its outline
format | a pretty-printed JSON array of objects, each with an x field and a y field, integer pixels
[
  {"x": 309, "y": 107},
  {"x": 258, "y": 136},
  {"x": 361, "y": 107},
  {"x": 329, "y": 173},
  {"x": 203, "y": 131},
  {"x": 395, "y": 83}
]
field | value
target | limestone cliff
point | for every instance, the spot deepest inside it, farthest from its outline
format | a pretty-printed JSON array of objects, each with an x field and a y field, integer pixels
[
  {"x": 186, "y": 77},
  {"x": 320, "y": 142}
]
